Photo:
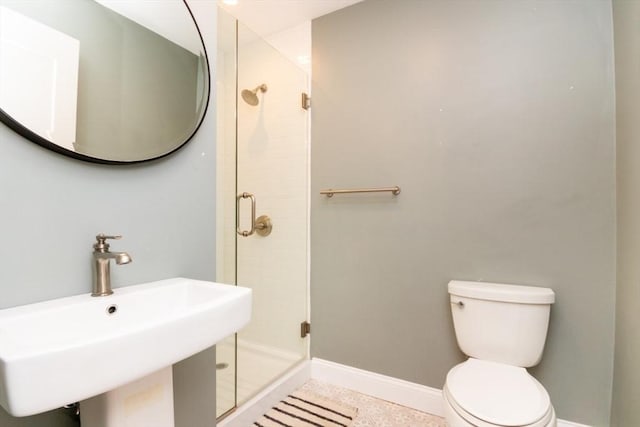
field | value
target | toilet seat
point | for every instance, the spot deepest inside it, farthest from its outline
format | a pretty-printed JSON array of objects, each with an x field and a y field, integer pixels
[
  {"x": 457, "y": 417},
  {"x": 494, "y": 394}
]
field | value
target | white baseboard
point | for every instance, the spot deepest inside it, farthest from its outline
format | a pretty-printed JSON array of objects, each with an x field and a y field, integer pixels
[
  {"x": 405, "y": 393},
  {"x": 401, "y": 392},
  {"x": 563, "y": 423}
]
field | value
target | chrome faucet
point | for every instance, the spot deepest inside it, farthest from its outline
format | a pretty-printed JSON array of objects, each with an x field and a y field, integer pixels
[{"x": 101, "y": 270}]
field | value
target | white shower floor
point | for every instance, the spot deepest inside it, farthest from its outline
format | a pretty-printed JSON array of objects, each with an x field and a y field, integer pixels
[{"x": 258, "y": 366}]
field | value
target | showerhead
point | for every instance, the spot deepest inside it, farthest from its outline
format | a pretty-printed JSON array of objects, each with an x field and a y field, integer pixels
[{"x": 251, "y": 96}]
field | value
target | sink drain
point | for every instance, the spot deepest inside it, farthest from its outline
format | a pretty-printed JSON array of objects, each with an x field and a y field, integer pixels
[
  {"x": 220, "y": 366},
  {"x": 112, "y": 309}
]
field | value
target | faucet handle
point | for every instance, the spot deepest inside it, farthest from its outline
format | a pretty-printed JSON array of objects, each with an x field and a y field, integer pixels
[
  {"x": 101, "y": 244},
  {"x": 102, "y": 237}
]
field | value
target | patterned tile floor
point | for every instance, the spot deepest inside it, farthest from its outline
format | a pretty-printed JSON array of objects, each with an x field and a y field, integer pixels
[{"x": 374, "y": 412}]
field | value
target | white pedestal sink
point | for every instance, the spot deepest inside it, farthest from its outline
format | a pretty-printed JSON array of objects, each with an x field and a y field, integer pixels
[{"x": 119, "y": 348}]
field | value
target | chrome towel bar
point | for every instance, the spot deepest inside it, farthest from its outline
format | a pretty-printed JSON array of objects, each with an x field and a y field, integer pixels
[{"x": 330, "y": 192}]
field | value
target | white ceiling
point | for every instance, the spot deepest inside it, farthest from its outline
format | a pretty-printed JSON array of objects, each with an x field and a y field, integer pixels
[
  {"x": 267, "y": 17},
  {"x": 168, "y": 19}
]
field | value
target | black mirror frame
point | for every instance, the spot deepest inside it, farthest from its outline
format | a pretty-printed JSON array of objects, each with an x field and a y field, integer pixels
[{"x": 33, "y": 137}]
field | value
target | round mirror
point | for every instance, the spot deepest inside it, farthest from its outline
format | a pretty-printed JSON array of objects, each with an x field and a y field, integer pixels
[{"x": 106, "y": 81}]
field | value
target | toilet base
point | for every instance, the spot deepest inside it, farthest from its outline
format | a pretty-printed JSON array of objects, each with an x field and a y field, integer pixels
[{"x": 456, "y": 420}]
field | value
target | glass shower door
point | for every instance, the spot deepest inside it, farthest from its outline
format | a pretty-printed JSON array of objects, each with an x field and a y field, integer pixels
[{"x": 270, "y": 151}]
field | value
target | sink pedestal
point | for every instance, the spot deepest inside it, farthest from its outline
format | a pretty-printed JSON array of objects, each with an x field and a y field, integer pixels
[{"x": 147, "y": 402}]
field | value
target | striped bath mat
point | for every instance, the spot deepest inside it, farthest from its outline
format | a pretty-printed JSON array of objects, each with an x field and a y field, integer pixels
[{"x": 303, "y": 409}]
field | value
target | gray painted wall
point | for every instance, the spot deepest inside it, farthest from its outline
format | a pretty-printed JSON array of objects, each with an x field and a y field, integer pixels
[
  {"x": 626, "y": 380},
  {"x": 497, "y": 120},
  {"x": 194, "y": 390},
  {"x": 51, "y": 207}
]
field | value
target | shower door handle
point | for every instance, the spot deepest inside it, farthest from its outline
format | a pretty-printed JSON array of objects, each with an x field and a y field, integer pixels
[
  {"x": 251, "y": 197},
  {"x": 262, "y": 225}
]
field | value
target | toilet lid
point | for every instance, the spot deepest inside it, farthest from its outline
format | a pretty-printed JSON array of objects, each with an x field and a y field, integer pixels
[{"x": 498, "y": 393}]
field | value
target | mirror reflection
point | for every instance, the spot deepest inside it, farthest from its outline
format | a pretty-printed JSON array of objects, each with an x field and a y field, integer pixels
[{"x": 111, "y": 81}]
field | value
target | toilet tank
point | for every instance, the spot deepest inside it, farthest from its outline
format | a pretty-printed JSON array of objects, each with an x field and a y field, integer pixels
[{"x": 501, "y": 323}]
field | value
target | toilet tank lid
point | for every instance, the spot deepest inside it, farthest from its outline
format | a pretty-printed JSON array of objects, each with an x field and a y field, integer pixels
[{"x": 502, "y": 292}]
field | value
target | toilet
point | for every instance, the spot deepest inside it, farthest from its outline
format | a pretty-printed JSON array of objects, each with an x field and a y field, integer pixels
[{"x": 502, "y": 328}]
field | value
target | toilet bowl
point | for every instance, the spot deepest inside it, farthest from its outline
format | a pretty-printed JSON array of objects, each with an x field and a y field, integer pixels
[
  {"x": 503, "y": 329},
  {"x": 488, "y": 394}
]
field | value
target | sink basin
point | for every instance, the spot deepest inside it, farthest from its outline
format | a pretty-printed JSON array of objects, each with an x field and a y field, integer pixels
[{"x": 69, "y": 349}]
